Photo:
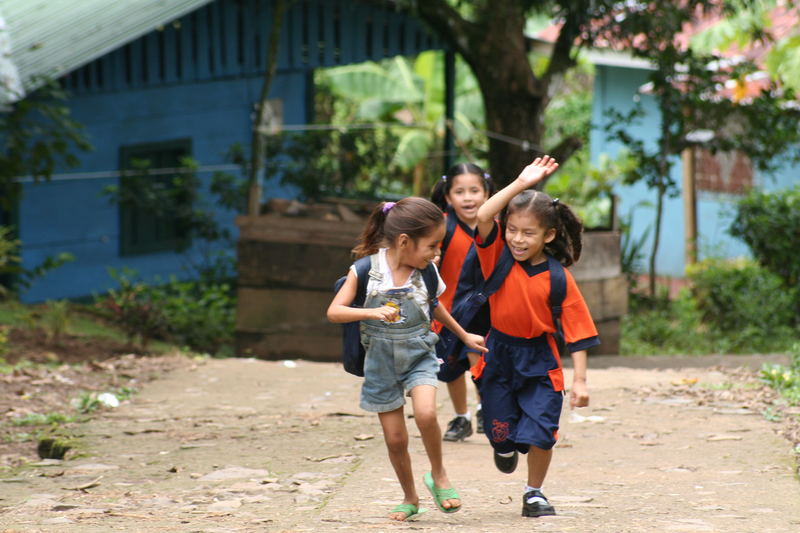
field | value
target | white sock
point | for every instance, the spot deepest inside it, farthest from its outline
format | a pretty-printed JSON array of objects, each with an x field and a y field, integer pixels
[
  {"x": 507, "y": 454},
  {"x": 533, "y": 499},
  {"x": 465, "y": 415}
]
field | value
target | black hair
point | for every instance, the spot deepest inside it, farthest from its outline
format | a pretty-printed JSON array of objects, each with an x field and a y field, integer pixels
[
  {"x": 445, "y": 183},
  {"x": 414, "y": 216},
  {"x": 551, "y": 213}
]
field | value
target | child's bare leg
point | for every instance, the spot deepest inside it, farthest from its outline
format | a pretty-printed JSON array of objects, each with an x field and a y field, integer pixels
[
  {"x": 395, "y": 435},
  {"x": 423, "y": 399},
  {"x": 538, "y": 463},
  {"x": 458, "y": 394}
]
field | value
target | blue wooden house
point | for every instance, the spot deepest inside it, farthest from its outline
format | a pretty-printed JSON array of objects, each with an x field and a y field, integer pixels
[
  {"x": 719, "y": 180},
  {"x": 158, "y": 80}
]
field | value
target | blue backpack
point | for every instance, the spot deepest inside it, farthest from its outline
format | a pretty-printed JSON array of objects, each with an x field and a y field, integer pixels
[
  {"x": 352, "y": 350},
  {"x": 468, "y": 302}
]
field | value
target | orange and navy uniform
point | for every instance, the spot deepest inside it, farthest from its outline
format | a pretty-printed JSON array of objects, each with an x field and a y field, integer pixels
[
  {"x": 452, "y": 261},
  {"x": 461, "y": 273},
  {"x": 522, "y": 381}
]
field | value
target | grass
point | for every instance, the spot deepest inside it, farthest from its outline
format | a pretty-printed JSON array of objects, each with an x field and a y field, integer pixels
[{"x": 84, "y": 321}]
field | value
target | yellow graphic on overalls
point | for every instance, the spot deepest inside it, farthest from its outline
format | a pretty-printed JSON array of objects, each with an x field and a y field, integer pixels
[{"x": 397, "y": 317}]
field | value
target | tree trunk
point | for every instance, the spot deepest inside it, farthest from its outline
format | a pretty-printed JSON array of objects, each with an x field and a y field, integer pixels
[
  {"x": 257, "y": 136},
  {"x": 496, "y": 49}
]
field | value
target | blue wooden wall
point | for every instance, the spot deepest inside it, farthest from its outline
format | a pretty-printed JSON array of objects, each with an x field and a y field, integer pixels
[
  {"x": 198, "y": 77},
  {"x": 617, "y": 87}
]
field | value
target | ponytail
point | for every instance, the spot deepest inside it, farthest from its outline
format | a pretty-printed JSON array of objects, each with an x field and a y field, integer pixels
[
  {"x": 415, "y": 217},
  {"x": 372, "y": 236}
]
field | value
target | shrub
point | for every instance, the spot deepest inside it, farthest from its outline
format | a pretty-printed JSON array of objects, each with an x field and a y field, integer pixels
[
  {"x": 199, "y": 315},
  {"x": 742, "y": 297},
  {"x": 769, "y": 223},
  {"x": 131, "y": 309}
]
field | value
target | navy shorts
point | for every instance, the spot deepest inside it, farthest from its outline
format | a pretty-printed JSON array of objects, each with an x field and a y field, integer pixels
[
  {"x": 456, "y": 363},
  {"x": 521, "y": 393}
]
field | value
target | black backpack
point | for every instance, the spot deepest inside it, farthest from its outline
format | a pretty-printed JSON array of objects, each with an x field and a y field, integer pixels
[
  {"x": 466, "y": 307},
  {"x": 352, "y": 350}
]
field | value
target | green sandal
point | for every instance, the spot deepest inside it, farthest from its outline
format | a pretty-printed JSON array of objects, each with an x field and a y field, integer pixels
[
  {"x": 410, "y": 511},
  {"x": 441, "y": 494}
]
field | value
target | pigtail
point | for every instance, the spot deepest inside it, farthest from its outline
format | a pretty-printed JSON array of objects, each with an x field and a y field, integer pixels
[
  {"x": 371, "y": 238},
  {"x": 438, "y": 193},
  {"x": 444, "y": 183},
  {"x": 568, "y": 243},
  {"x": 551, "y": 213}
]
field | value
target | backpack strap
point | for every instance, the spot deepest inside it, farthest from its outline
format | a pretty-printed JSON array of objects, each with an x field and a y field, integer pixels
[
  {"x": 450, "y": 228},
  {"x": 363, "y": 267},
  {"x": 558, "y": 291},
  {"x": 431, "y": 279},
  {"x": 499, "y": 273}
]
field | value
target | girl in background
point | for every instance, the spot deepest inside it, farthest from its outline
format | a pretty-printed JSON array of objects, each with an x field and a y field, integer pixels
[{"x": 460, "y": 193}]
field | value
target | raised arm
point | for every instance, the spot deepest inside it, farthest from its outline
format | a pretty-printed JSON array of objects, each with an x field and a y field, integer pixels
[{"x": 530, "y": 176}]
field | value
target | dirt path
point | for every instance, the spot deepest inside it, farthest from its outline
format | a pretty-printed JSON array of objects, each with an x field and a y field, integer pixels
[{"x": 244, "y": 445}]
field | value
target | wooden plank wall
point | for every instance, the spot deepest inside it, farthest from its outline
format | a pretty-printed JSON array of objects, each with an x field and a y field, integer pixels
[{"x": 227, "y": 38}]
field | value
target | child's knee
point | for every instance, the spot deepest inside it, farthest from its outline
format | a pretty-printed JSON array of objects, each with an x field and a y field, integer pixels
[
  {"x": 396, "y": 441},
  {"x": 425, "y": 418}
]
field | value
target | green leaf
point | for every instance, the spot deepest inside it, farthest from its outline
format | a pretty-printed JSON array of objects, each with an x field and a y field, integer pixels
[{"x": 414, "y": 146}]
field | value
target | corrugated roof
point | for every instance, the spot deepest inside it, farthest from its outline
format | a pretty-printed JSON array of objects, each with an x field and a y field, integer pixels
[{"x": 52, "y": 37}]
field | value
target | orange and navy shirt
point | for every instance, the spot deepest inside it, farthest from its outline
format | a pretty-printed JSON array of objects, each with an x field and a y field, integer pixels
[
  {"x": 452, "y": 262},
  {"x": 521, "y": 307}
]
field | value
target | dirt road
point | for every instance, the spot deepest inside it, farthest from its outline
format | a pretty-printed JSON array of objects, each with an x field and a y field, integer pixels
[{"x": 245, "y": 445}]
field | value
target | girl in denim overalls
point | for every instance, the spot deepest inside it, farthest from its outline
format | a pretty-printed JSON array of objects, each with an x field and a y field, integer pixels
[{"x": 402, "y": 239}]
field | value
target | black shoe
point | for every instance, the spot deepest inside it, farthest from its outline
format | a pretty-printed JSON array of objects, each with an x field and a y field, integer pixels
[
  {"x": 479, "y": 420},
  {"x": 538, "y": 507},
  {"x": 506, "y": 464},
  {"x": 459, "y": 428}
]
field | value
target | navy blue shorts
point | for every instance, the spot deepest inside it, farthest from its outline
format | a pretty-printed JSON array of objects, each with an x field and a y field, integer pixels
[
  {"x": 455, "y": 364},
  {"x": 521, "y": 393}
]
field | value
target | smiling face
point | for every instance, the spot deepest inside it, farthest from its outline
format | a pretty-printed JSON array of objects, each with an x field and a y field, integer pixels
[
  {"x": 526, "y": 237},
  {"x": 418, "y": 254},
  {"x": 467, "y": 193}
]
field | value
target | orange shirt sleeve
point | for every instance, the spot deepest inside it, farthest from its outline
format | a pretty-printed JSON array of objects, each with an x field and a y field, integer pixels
[{"x": 489, "y": 250}]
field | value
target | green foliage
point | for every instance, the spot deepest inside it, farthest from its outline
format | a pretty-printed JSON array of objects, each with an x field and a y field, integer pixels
[
  {"x": 769, "y": 223},
  {"x": 348, "y": 163},
  {"x": 11, "y": 264},
  {"x": 38, "y": 135},
  {"x": 4, "y": 332},
  {"x": 56, "y": 319},
  {"x": 132, "y": 310},
  {"x": 742, "y": 297},
  {"x": 37, "y": 419},
  {"x": 199, "y": 315},
  {"x": 786, "y": 380},
  {"x": 733, "y": 308},
  {"x": 588, "y": 187}
]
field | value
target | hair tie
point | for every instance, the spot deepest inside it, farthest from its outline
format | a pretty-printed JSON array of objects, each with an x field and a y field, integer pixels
[
  {"x": 555, "y": 202},
  {"x": 486, "y": 176},
  {"x": 387, "y": 206},
  {"x": 444, "y": 177}
]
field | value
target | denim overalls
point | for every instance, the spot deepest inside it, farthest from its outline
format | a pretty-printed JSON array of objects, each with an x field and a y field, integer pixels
[{"x": 399, "y": 355}]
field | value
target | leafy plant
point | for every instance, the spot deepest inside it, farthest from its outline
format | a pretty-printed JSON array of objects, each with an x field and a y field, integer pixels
[
  {"x": 37, "y": 419},
  {"x": 4, "y": 334},
  {"x": 785, "y": 380},
  {"x": 132, "y": 310},
  {"x": 11, "y": 264},
  {"x": 199, "y": 314},
  {"x": 741, "y": 296},
  {"x": 56, "y": 319},
  {"x": 769, "y": 223}
]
